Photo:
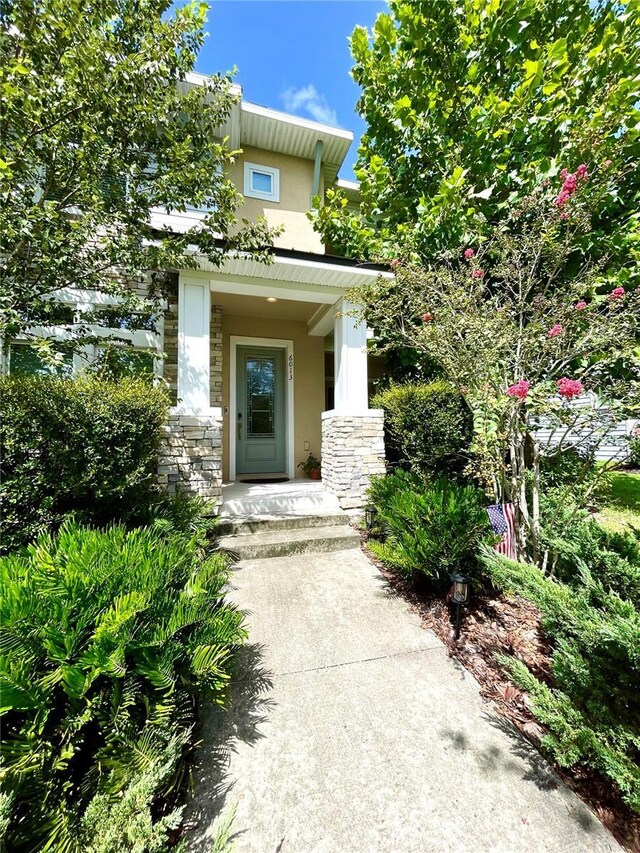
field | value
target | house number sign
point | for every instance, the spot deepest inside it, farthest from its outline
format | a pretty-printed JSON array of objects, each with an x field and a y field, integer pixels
[{"x": 290, "y": 366}]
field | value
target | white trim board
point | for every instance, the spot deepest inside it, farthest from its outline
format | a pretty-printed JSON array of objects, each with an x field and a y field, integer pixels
[{"x": 272, "y": 343}]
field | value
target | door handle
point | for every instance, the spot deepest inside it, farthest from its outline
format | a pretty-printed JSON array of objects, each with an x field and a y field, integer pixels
[{"x": 239, "y": 427}]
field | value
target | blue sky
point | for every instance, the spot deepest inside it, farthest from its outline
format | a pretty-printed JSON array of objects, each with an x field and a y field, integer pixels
[{"x": 291, "y": 55}]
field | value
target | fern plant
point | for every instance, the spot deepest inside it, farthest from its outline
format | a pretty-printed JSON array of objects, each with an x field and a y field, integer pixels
[
  {"x": 106, "y": 639},
  {"x": 431, "y": 527}
]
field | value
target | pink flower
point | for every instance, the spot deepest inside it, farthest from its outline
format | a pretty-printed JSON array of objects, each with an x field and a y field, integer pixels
[
  {"x": 519, "y": 390},
  {"x": 570, "y": 184},
  {"x": 617, "y": 293},
  {"x": 580, "y": 306},
  {"x": 569, "y": 387},
  {"x": 554, "y": 331},
  {"x": 564, "y": 215},
  {"x": 395, "y": 263},
  {"x": 607, "y": 163},
  {"x": 469, "y": 253},
  {"x": 427, "y": 318},
  {"x": 477, "y": 273}
]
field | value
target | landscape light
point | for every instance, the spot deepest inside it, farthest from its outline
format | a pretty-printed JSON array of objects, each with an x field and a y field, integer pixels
[{"x": 459, "y": 596}]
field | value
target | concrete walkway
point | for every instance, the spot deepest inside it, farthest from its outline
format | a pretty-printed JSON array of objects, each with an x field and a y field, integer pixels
[{"x": 352, "y": 731}]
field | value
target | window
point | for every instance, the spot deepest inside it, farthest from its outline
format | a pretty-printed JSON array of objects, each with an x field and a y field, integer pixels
[
  {"x": 261, "y": 182},
  {"x": 118, "y": 362},
  {"x": 24, "y": 360}
]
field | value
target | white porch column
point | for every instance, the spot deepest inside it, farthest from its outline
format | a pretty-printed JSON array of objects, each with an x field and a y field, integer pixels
[
  {"x": 350, "y": 355},
  {"x": 352, "y": 434},
  {"x": 194, "y": 305},
  {"x": 191, "y": 454}
]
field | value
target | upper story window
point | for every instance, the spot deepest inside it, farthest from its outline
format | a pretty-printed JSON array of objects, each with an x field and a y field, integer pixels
[{"x": 261, "y": 182}]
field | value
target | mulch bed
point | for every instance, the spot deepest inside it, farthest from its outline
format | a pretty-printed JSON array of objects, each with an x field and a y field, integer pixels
[{"x": 499, "y": 625}]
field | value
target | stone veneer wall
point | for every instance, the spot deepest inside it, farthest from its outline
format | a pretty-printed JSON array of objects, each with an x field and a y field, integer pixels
[
  {"x": 191, "y": 456},
  {"x": 352, "y": 452}
]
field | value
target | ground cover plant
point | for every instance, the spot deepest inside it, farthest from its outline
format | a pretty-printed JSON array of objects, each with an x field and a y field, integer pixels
[
  {"x": 109, "y": 639},
  {"x": 590, "y": 709},
  {"x": 84, "y": 446}
]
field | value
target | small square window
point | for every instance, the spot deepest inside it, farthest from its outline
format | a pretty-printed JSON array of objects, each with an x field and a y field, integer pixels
[{"x": 261, "y": 182}]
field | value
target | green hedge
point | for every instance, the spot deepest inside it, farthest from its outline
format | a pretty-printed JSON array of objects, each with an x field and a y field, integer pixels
[
  {"x": 85, "y": 446},
  {"x": 108, "y": 638},
  {"x": 428, "y": 428}
]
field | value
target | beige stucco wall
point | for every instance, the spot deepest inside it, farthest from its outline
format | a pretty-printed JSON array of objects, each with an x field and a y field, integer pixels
[
  {"x": 296, "y": 185},
  {"x": 308, "y": 356}
]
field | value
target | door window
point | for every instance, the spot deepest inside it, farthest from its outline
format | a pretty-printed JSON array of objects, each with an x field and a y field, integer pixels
[{"x": 261, "y": 389}]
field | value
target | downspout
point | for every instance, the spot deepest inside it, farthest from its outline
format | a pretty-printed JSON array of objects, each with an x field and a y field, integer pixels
[{"x": 316, "y": 171}]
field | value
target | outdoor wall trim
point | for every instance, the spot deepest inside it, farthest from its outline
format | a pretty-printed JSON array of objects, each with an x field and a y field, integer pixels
[
  {"x": 316, "y": 169},
  {"x": 359, "y": 413},
  {"x": 194, "y": 308}
]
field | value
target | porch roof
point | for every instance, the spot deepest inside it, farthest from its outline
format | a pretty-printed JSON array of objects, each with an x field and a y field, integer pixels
[{"x": 291, "y": 267}]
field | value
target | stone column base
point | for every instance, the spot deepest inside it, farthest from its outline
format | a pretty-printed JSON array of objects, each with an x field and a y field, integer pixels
[
  {"x": 191, "y": 456},
  {"x": 352, "y": 452}
]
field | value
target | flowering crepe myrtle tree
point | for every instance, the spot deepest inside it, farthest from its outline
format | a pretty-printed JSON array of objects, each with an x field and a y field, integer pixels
[
  {"x": 523, "y": 324},
  {"x": 98, "y": 127}
]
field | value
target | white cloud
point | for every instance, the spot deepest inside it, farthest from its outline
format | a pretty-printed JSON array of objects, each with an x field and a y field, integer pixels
[{"x": 307, "y": 99}]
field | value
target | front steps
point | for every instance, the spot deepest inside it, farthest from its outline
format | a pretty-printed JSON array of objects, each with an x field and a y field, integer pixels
[{"x": 256, "y": 539}]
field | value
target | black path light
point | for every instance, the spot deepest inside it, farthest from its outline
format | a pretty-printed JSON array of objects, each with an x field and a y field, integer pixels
[
  {"x": 369, "y": 516},
  {"x": 459, "y": 596}
]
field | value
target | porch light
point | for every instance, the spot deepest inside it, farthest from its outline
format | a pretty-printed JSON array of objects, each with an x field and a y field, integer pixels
[
  {"x": 459, "y": 596},
  {"x": 271, "y": 299}
]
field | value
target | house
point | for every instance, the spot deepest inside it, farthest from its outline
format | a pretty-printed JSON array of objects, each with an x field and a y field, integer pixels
[{"x": 265, "y": 363}]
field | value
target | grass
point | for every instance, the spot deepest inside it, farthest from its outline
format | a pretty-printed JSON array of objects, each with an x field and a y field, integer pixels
[{"x": 622, "y": 508}]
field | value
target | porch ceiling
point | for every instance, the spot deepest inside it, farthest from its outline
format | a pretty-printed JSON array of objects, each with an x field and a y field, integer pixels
[{"x": 257, "y": 306}]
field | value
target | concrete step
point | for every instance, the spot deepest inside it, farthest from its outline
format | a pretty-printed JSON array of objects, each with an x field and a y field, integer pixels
[
  {"x": 287, "y": 542},
  {"x": 240, "y": 526}
]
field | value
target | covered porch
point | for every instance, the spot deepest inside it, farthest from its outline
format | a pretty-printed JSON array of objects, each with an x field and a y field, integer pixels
[{"x": 267, "y": 365}]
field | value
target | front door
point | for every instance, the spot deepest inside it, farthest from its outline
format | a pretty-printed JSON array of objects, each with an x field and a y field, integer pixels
[{"x": 260, "y": 419}]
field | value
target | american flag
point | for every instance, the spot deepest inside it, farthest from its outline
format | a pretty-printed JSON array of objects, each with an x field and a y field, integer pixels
[{"x": 501, "y": 517}]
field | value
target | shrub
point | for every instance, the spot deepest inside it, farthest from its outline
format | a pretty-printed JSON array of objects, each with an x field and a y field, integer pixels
[
  {"x": 83, "y": 446},
  {"x": 107, "y": 639},
  {"x": 432, "y": 528},
  {"x": 592, "y": 710},
  {"x": 577, "y": 543},
  {"x": 566, "y": 467},
  {"x": 428, "y": 428},
  {"x": 634, "y": 452}
]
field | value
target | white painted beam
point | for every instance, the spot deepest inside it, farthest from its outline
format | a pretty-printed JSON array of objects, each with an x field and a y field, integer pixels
[
  {"x": 194, "y": 299},
  {"x": 350, "y": 336}
]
